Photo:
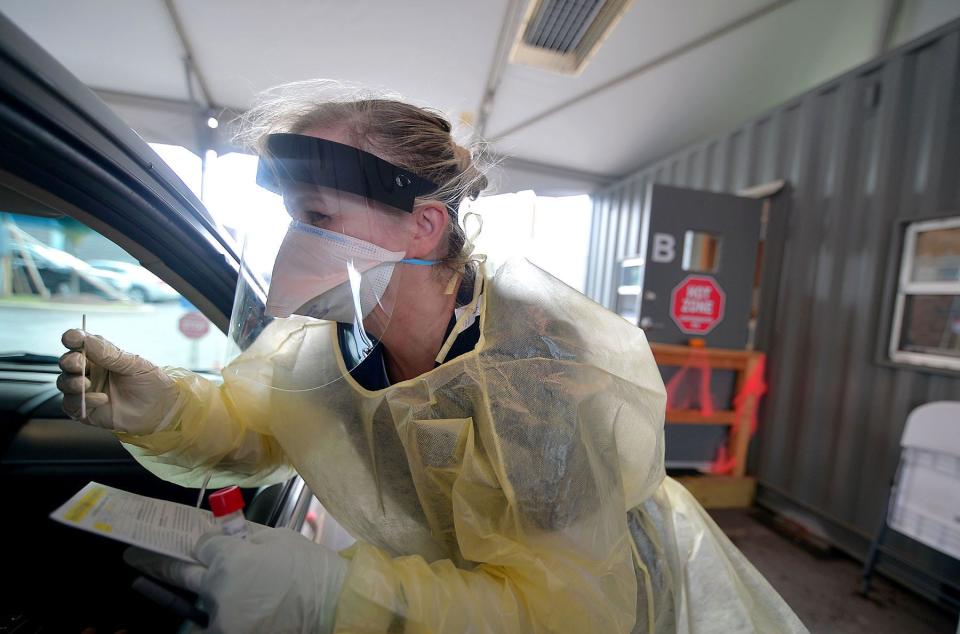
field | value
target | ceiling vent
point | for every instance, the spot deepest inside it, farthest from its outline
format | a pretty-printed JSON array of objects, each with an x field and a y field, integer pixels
[{"x": 562, "y": 35}]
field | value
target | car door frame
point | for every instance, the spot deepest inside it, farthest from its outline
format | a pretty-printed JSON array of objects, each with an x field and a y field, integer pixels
[{"x": 63, "y": 148}]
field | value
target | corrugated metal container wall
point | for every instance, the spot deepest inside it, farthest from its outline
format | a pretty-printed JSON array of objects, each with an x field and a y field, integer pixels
[{"x": 876, "y": 146}]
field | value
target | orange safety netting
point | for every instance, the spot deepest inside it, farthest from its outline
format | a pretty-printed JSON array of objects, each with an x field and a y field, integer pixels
[{"x": 689, "y": 388}]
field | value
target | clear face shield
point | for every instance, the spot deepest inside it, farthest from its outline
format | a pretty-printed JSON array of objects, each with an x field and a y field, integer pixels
[{"x": 317, "y": 288}]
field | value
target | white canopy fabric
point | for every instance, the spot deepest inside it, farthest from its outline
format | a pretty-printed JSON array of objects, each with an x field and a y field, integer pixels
[{"x": 670, "y": 73}]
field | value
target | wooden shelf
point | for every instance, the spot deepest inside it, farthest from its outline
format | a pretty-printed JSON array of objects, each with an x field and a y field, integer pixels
[
  {"x": 720, "y": 358},
  {"x": 694, "y": 417},
  {"x": 740, "y": 421}
]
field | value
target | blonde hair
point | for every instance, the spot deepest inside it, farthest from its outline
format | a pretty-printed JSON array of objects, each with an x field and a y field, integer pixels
[{"x": 417, "y": 139}]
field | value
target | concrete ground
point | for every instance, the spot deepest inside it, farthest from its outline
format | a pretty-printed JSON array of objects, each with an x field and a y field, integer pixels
[{"x": 823, "y": 590}]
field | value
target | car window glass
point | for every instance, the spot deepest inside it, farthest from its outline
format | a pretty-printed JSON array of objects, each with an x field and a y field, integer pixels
[{"x": 48, "y": 281}]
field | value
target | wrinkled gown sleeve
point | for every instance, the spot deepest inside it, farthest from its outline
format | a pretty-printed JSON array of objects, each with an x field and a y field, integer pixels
[{"x": 221, "y": 430}]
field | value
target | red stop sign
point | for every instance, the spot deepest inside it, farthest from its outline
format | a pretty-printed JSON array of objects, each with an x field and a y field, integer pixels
[
  {"x": 194, "y": 325},
  {"x": 696, "y": 304}
]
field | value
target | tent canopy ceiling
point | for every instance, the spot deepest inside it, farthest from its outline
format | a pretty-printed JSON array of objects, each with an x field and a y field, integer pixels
[{"x": 669, "y": 74}]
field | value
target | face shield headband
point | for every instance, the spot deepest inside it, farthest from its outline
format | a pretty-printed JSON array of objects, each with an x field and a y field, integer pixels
[{"x": 309, "y": 160}]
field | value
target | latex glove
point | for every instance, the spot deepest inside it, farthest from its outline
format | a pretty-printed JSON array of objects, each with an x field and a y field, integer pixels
[
  {"x": 124, "y": 392},
  {"x": 276, "y": 580}
]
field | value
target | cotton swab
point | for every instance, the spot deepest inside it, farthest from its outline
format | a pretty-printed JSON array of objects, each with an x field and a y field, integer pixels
[{"x": 83, "y": 370}]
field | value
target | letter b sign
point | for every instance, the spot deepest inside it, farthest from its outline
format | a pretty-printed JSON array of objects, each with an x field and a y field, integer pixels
[{"x": 664, "y": 248}]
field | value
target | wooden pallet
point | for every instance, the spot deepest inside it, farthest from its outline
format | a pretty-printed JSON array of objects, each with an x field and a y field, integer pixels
[{"x": 721, "y": 492}]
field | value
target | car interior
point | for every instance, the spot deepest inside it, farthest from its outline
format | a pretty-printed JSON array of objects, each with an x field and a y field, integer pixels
[
  {"x": 81, "y": 580},
  {"x": 73, "y": 173}
]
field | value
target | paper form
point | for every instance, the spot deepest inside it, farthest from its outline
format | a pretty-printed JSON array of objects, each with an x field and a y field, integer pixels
[{"x": 157, "y": 525}]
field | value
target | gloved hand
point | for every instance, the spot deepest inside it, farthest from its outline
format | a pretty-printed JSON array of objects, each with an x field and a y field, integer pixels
[
  {"x": 276, "y": 580},
  {"x": 124, "y": 391}
]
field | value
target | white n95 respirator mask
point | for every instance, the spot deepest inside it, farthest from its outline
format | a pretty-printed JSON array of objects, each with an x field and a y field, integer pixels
[{"x": 329, "y": 275}]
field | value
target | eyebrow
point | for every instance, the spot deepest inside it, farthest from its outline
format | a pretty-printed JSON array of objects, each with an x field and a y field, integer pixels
[{"x": 308, "y": 201}]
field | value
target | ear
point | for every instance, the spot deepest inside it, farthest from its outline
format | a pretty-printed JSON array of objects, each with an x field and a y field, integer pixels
[{"x": 430, "y": 221}]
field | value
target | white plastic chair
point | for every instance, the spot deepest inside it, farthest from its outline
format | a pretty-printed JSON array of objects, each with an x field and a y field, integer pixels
[{"x": 924, "y": 499}]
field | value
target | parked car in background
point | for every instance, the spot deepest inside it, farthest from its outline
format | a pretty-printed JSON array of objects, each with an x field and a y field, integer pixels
[
  {"x": 144, "y": 285},
  {"x": 60, "y": 273}
]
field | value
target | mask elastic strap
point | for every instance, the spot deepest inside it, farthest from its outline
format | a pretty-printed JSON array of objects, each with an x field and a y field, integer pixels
[
  {"x": 468, "y": 244},
  {"x": 418, "y": 261},
  {"x": 468, "y": 310}
]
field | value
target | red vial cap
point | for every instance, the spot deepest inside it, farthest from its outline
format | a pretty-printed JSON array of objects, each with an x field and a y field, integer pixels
[{"x": 226, "y": 501}]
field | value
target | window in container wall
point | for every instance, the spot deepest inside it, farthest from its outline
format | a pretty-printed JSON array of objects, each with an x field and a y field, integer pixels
[
  {"x": 926, "y": 319},
  {"x": 628, "y": 289}
]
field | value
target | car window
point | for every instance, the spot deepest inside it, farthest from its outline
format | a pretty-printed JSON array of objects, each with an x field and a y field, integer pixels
[{"x": 53, "y": 270}]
